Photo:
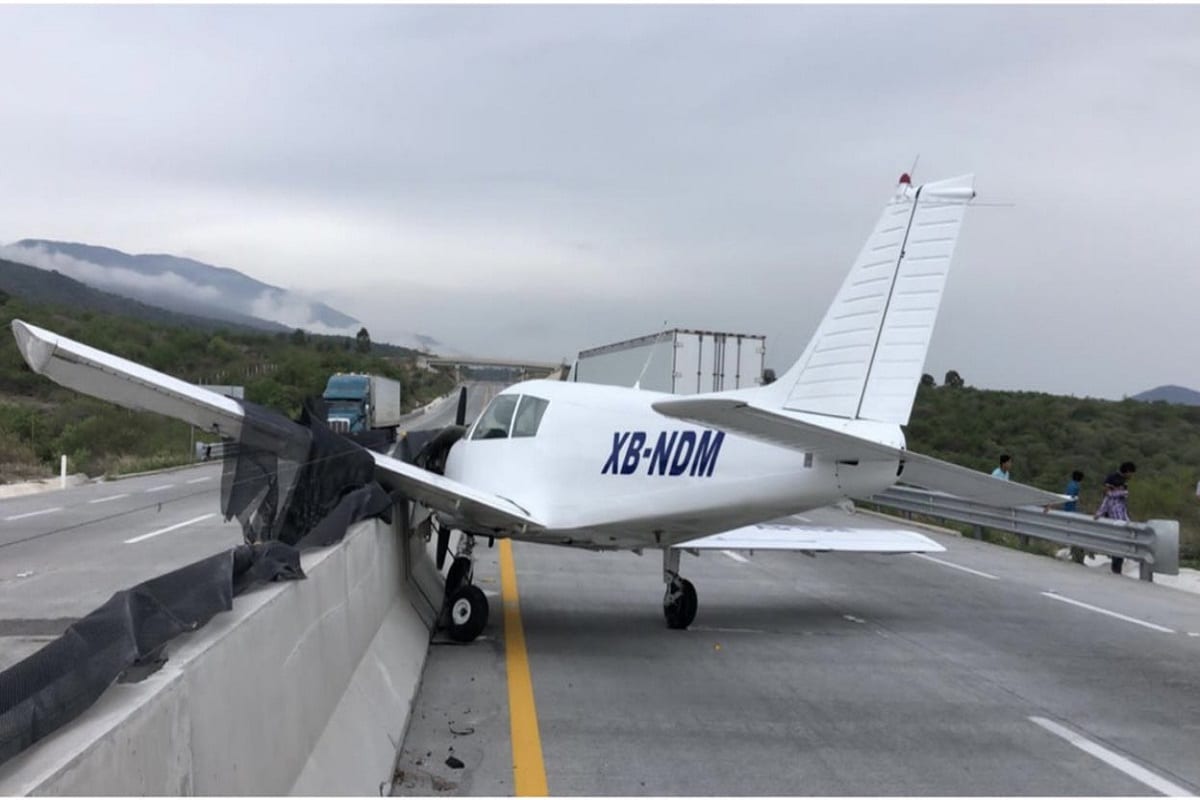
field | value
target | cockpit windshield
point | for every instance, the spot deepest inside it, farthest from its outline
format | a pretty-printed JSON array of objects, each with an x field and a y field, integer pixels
[
  {"x": 529, "y": 415},
  {"x": 498, "y": 419}
]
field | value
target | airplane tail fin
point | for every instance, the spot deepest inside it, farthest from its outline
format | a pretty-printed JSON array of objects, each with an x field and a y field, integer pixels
[{"x": 866, "y": 358}]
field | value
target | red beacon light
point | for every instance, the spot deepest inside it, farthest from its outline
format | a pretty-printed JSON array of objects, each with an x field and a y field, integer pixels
[{"x": 905, "y": 180}]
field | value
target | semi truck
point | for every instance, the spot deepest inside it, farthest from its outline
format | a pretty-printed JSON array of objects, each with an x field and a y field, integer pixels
[
  {"x": 358, "y": 404},
  {"x": 678, "y": 361}
]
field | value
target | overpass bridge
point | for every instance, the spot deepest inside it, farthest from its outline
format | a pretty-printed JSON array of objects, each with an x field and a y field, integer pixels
[{"x": 526, "y": 368}]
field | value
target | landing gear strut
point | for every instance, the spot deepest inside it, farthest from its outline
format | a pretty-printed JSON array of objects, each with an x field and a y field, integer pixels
[
  {"x": 466, "y": 606},
  {"x": 679, "y": 603}
]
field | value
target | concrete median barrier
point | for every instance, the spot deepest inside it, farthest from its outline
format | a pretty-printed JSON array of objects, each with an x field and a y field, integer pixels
[{"x": 304, "y": 687}]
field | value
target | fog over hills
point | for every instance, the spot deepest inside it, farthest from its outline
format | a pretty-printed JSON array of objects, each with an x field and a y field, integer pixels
[{"x": 193, "y": 287}]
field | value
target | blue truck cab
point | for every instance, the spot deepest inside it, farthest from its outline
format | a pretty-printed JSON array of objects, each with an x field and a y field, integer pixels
[
  {"x": 359, "y": 404},
  {"x": 347, "y": 399}
]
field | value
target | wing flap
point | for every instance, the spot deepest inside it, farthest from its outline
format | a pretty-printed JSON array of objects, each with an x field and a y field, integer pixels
[
  {"x": 816, "y": 539},
  {"x": 738, "y": 416}
]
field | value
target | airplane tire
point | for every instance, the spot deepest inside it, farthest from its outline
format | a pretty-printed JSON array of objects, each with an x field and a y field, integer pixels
[
  {"x": 468, "y": 613},
  {"x": 682, "y": 610}
]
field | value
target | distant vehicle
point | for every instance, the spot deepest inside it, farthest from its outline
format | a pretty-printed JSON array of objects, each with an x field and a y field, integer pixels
[
  {"x": 677, "y": 361},
  {"x": 616, "y": 468},
  {"x": 358, "y": 404}
]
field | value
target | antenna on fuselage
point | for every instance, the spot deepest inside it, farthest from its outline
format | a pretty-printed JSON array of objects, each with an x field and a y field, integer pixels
[{"x": 650, "y": 356}]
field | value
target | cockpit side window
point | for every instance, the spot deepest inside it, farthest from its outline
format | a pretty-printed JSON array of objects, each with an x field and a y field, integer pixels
[
  {"x": 496, "y": 419},
  {"x": 529, "y": 416}
]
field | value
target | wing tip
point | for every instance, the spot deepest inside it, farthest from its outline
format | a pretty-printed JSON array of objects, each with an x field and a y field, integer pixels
[{"x": 34, "y": 345}]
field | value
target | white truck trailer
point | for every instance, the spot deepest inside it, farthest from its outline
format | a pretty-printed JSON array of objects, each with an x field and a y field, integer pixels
[{"x": 677, "y": 361}]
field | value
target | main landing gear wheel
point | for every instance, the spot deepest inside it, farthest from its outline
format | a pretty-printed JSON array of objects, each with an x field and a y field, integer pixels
[
  {"x": 468, "y": 613},
  {"x": 680, "y": 604},
  {"x": 465, "y": 613}
]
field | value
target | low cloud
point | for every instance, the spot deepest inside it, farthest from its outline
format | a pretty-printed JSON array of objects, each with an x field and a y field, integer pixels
[{"x": 125, "y": 282}]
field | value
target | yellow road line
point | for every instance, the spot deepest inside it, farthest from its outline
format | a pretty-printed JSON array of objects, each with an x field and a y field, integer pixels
[{"x": 529, "y": 772}]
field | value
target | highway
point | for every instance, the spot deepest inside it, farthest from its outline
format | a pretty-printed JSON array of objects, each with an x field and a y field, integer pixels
[
  {"x": 63, "y": 553},
  {"x": 978, "y": 671}
]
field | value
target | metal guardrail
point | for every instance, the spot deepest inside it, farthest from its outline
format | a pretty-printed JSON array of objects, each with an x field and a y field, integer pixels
[
  {"x": 1154, "y": 544},
  {"x": 215, "y": 451}
]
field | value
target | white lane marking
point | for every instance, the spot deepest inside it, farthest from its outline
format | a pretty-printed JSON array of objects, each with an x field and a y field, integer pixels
[
  {"x": 1135, "y": 771},
  {"x": 33, "y": 513},
  {"x": 108, "y": 499},
  {"x": 1193, "y": 634},
  {"x": 956, "y": 566},
  {"x": 1106, "y": 612},
  {"x": 201, "y": 480},
  {"x": 853, "y": 618},
  {"x": 738, "y": 558},
  {"x": 168, "y": 529},
  {"x": 160, "y": 488}
]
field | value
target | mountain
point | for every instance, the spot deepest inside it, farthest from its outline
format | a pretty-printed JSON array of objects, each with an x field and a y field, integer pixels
[
  {"x": 47, "y": 287},
  {"x": 1178, "y": 395},
  {"x": 193, "y": 288},
  {"x": 181, "y": 284}
]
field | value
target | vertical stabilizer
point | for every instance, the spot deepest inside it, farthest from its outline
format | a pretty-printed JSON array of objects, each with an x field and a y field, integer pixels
[{"x": 866, "y": 358}]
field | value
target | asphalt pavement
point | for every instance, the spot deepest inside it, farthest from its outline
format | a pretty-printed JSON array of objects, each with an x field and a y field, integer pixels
[{"x": 978, "y": 671}]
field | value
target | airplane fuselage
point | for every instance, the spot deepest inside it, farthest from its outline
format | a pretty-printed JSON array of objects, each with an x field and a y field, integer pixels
[{"x": 606, "y": 470}]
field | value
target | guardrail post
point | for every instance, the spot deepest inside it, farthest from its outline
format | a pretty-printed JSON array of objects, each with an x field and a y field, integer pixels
[{"x": 977, "y": 532}]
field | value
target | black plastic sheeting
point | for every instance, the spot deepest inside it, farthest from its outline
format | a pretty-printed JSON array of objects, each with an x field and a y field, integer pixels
[{"x": 292, "y": 485}]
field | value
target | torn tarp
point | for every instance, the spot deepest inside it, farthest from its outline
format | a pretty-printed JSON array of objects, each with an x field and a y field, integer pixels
[
  {"x": 291, "y": 485},
  {"x": 285, "y": 478},
  {"x": 59, "y": 682}
]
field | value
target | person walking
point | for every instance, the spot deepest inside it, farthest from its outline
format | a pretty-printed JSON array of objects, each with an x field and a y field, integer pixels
[
  {"x": 1115, "y": 504},
  {"x": 1002, "y": 471},
  {"x": 1072, "y": 491}
]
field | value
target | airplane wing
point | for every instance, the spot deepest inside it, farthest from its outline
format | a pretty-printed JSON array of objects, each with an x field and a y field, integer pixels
[
  {"x": 738, "y": 416},
  {"x": 99, "y": 374},
  {"x": 816, "y": 539},
  {"x": 474, "y": 508},
  {"x": 107, "y": 377}
]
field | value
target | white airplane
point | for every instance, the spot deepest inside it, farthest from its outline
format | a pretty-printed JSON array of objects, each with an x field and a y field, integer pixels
[{"x": 615, "y": 468}]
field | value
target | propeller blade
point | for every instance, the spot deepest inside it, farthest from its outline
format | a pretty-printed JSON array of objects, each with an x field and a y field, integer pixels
[
  {"x": 460, "y": 418},
  {"x": 443, "y": 544}
]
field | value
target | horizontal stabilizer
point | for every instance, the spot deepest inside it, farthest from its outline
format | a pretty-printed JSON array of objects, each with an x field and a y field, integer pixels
[
  {"x": 816, "y": 539},
  {"x": 738, "y": 416}
]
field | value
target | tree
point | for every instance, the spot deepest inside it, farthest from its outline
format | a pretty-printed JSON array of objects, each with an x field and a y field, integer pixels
[
  {"x": 299, "y": 337},
  {"x": 362, "y": 341},
  {"x": 954, "y": 380},
  {"x": 927, "y": 380}
]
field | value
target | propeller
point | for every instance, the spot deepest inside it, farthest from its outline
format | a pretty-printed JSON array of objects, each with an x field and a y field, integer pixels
[
  {"x": 443, "y": 534},
  {"x": 443, "y": 544}
]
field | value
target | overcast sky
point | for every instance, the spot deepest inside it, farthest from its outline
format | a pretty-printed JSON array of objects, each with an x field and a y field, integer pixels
[{"x": 532, "y": 181}]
